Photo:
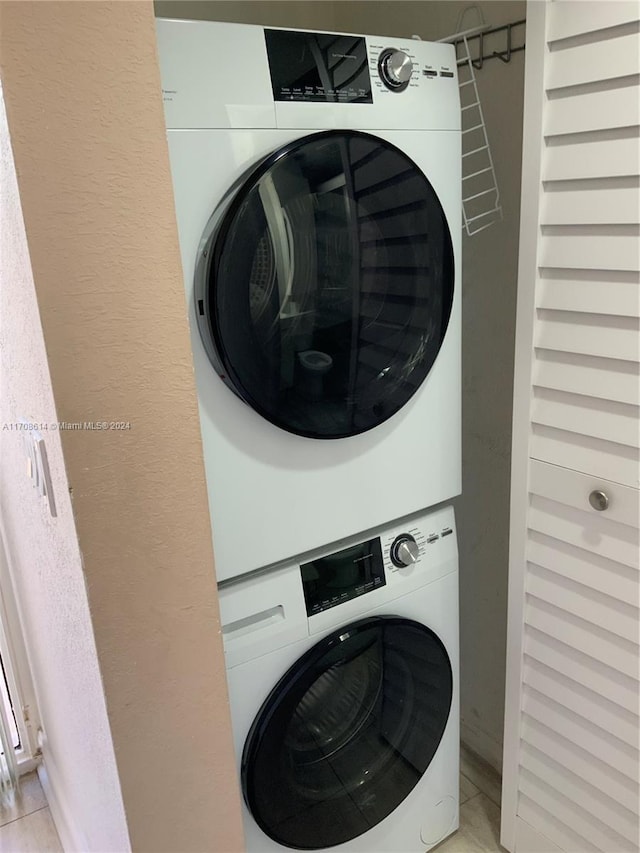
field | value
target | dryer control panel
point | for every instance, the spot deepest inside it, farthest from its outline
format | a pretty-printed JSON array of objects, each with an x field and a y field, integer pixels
[
  {"x": 318, "y": 67},
  {"x": 221, "y": 75}
]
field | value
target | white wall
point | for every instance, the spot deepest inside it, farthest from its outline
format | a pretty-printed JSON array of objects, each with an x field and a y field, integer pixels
[{"x": 312, "y": 14}]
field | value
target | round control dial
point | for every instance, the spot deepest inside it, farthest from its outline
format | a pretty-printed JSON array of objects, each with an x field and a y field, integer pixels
[
  {"x": 404, "y": 551},
  {"x": 395, "y": 69}
]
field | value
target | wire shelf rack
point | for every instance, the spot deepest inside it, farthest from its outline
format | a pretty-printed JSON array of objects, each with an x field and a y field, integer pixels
[{"x": 481, "y": 206}]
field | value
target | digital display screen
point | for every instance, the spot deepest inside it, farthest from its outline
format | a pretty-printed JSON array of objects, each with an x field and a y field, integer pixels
[
  {"x": 336, "y": 578},
  {"x": 315, "y": 67}
]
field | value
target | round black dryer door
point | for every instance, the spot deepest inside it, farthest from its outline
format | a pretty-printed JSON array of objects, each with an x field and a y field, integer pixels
[
  {"x": 325, "y": 285},
  {"x": 347, "y": 733}
]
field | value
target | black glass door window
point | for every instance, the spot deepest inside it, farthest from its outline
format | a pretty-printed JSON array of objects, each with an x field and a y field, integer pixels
[
  {"x": 325, "y": 288},
  {"x": 347, "y": 733}
]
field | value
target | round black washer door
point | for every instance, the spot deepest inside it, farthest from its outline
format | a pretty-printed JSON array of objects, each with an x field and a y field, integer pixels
[
  {"x": 324, "y": 289},
  {"x": 347, "y": 733}
]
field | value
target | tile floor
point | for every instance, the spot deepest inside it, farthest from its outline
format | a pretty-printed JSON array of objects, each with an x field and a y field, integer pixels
[
  {"x": 27, "y": 827},
  {"x": 480, "y": 792}
]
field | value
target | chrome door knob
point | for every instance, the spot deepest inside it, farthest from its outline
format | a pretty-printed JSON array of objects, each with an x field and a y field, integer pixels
[{"x": 599, "y": 500}]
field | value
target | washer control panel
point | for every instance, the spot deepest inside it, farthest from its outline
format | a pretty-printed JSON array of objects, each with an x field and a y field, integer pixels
[
  {"x": 417, "y": 542},
  {"x": 363, "y": 566},
  {"x": 331, "y": 586},
  {"x": 333, "y": 579}
]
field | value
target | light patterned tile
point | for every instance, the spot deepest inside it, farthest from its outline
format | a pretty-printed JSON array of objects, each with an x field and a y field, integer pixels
[
  {"x": 34, "y": 833},
  {"x": 482, "y": 775},
  {"x": 479, "y": 829},
  {"x": 467, "y": 789},
  {"x": 30, "y": 799}
]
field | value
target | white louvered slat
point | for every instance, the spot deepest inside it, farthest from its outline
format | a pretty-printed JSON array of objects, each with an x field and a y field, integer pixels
[
  {"x": 605, "y": 378},
  {"x": 575, "y": 817},
  {"x": 593, "y": 111},
  {"x": 608, "y": 613},
  {"x": 575, "y": 157},
  {"x": 585, "y": 247},
  {"x": 583, "y": 635},
  {"x": 590, "y": 531},
  {"x": 573, "y": 713},
  {"x": 573, "y": 664},
  {"x": 583, "y": 796},
  {"x": 582, "y": 763},
  {"x": 599, "y": 710},
  {"x": 551, "y": 834},
  {"x": 596, "y": 572},
  {"x": 590, "y": 202},
  {"x": 578, "y": 730},
  {"x": 574, "y": 19},
  {"x": 589, "y": 291},
  {"x": 594, "y": 61},
  {"x": 604, "y": 459},
  {"x": 586, "y": 415},
  {"x": 607, "y": 337}
]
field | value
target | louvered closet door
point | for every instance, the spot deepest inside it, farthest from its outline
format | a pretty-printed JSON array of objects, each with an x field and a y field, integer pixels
[{"x": 571, "y": 760}]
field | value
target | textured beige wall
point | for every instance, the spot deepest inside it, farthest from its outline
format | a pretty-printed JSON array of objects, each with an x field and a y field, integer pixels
[
  {"x": 44, "y": 557},
  {"x": 82, "y": 92},
  {"x": 488, "y": 327}
]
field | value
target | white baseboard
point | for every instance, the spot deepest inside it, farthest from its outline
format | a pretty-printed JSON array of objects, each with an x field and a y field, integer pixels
[
  {"x": 28, "y": 765},
  {"x": 483, "y": 744},
  {"x": 71, "y": 838}
]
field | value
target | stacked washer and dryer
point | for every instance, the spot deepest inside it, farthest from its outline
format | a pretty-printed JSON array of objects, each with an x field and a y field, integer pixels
[{"x": 317, "y": 190}]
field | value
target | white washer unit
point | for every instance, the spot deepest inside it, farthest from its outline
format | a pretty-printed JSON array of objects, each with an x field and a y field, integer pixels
[
  {"x": 343, "y": 683},
  {"x": 317, "y": 190}
]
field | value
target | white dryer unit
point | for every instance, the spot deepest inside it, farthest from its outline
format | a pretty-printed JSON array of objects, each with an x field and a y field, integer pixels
[
  {"x": 343, "y": 683},
  {"x": 317, "y": 190}
]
